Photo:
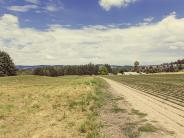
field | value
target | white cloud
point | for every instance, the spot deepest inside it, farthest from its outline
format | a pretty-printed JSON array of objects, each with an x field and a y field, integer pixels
[
  {"x": 24, "y": 8},
  {"x": 149, "y": 19},
  {"x": 49, "y": 6},
  {"x": 108, "y": 4},
  {"x": 151, "y": 44},
  {"x": 53, "y": 8}
]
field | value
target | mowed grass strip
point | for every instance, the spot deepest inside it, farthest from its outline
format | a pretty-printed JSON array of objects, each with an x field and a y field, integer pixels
[{"x": 34, "y": 106}]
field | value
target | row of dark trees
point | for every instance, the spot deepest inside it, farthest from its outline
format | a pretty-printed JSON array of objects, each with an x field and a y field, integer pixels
[
  {"x": 89, "y": 69},
  {"x": 7, "y": 68},
  {"x": 179, "y": 62}
]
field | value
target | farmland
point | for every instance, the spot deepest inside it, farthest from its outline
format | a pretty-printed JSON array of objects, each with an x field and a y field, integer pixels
[
  {"x": 34, "y": 106},
  {"x": 78, "y": 106},
  {"x": 169, "y": 87}
]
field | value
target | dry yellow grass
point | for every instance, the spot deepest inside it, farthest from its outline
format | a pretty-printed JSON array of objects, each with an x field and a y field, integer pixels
[{"x": 33, "y": 106}]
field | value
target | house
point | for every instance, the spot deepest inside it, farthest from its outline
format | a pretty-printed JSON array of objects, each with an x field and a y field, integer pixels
[{"x": 131, "y": 73}]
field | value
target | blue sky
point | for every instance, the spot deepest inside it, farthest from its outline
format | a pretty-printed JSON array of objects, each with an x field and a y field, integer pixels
[
  {"x": 89, "y": 12},
  {"x": 116, "y": 21}
]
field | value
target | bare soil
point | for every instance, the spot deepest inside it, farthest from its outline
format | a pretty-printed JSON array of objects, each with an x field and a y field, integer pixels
[{"x": 137, "y": 112}]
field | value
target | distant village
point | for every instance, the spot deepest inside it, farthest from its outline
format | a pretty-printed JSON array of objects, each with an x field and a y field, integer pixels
[
  {"x": 165, "y": 67},
  {"x": 177, "y": 66}
]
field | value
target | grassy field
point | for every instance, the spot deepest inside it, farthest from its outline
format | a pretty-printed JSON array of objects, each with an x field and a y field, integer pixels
[
  {"x": 33, "y": 106},
  {"x": 167, "y": 86}
]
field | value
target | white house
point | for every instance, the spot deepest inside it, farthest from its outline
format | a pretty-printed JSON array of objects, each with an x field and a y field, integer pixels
[{"x": 131, "y": 73}]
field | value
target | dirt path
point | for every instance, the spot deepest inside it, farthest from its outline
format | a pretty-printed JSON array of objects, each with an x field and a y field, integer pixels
[{"x": 171, "y": 119}]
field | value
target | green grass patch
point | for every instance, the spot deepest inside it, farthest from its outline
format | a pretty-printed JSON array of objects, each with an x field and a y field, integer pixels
[
  {"x": 116, "y": 109},
  {"x": 91, "y": 103},
  {"x": 147, "y": 128},
  {"x": 6, "y": 107},
  {"x": 137, "y": 112}
]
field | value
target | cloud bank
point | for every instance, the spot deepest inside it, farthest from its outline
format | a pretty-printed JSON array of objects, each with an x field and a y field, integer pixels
[
  {"x": 108, "y": 4},
  {"x": 149, "y": 43},
  {"x": 22, "y": 8}
]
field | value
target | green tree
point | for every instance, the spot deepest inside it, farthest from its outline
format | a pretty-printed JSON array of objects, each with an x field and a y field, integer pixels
[
  {"x": 7, "y": 67},
  {"x": 136, "y": 66},
  {"x": 108, "y": 68},
  {"x": 136, "y": 63},
  {"x": 179, "y": 66},
  {"x": 103, "y": 70}
]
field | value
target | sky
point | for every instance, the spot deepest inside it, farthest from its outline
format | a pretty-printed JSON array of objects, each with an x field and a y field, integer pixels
[{"x": 117, "y": 32}]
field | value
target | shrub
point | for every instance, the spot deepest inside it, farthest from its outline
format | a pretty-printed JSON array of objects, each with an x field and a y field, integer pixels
[{"x": 103, "y": 70}]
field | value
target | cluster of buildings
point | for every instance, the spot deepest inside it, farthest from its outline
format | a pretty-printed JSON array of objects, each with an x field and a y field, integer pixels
[{"x": 166, "y": 67}]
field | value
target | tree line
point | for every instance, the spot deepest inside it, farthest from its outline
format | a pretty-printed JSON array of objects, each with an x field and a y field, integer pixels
[
  {"x": 7, "y": 68},
  {"x": 88, "y": 69}
]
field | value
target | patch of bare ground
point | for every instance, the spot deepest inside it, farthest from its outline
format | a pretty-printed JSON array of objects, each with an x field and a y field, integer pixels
[{"x": 121, "y": 120}]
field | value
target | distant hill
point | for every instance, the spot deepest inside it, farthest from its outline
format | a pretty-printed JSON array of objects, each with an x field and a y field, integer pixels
[{"x": 21, "y": 67}]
